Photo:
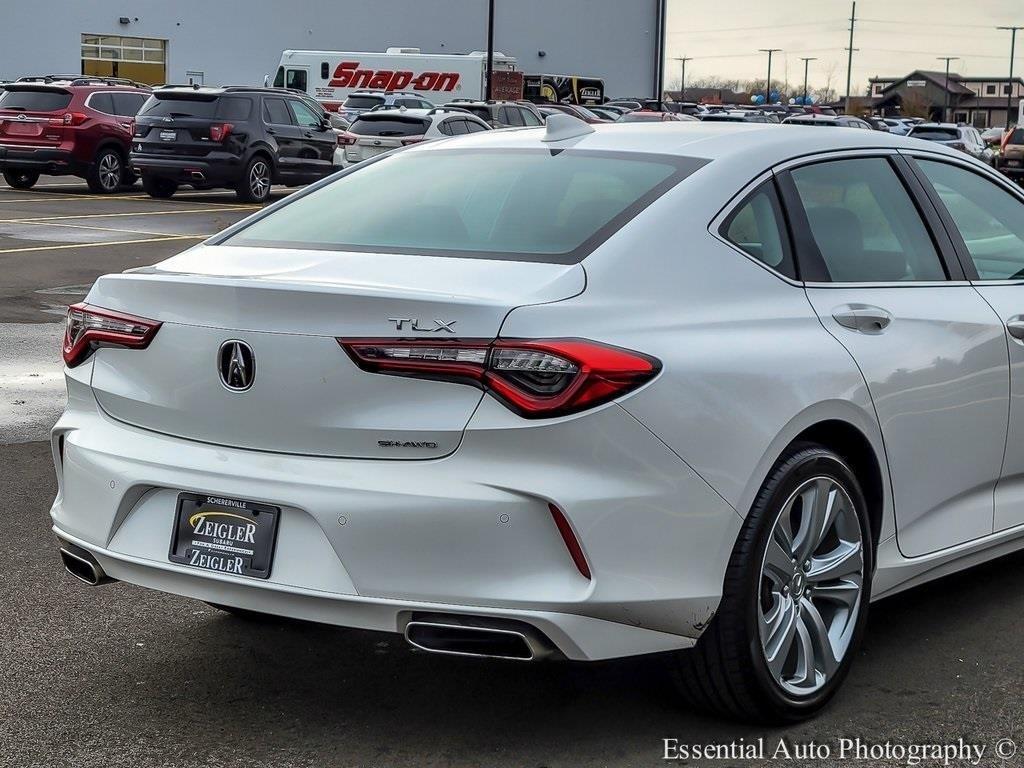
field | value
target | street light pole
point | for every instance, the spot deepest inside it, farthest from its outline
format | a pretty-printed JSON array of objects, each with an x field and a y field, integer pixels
[
  {"x": 806, "y": 62},
  {"x": 490, "y": 49},
  {"x": 1009, "y": 93},
  {"x": 945, "y": 106},
  {"x": 682, "y": 83},
  {"x": 768, "y": 83}
]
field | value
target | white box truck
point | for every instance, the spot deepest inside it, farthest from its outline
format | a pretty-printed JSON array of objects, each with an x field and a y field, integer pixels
[{"x": 330, "y": 76}]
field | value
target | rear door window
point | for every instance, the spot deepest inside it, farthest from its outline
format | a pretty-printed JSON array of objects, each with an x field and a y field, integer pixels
[
  {"x": 34, "y": 101},
  {"x": 758, "y": 229},
  {"x": 990, "y": 219},
  {"x": 511, "y": 116},
  {"x": 865, "y": 224},
  {"x": 529, "y": 118},
  {"x": 128, "y": 104},
  {"x": 275, "y": 111},
  {"x": 474, "y": 127}
]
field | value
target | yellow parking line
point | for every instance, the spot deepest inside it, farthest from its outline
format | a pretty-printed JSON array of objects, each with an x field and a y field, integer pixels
[
  {"x": 98, "y": 245},
  {"x": 222, "y": 209},
  {"x": 106, "y": 229}
]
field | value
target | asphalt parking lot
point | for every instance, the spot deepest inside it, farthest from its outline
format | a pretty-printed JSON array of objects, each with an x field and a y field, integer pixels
[{"x": 121, "y": 676}]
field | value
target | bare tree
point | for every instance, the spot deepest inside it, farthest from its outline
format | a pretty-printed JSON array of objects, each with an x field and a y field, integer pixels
[{"x": 915, "y": 105}]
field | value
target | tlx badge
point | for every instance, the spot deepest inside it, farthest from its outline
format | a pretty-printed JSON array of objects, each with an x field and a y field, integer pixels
[{"x": 414, "y": 324}]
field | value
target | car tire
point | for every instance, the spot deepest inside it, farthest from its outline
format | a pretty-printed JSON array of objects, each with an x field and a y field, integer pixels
[
  {"x": 155, "y": 186},
  {"x": 254, "y": 186},
  {"x": 775, "y": 616},
  {"x": 107, "y": 172},
  {"x": 21, "y": 179}
]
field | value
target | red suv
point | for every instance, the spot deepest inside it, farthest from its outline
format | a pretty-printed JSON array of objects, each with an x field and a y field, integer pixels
[{"x": 80, "y": 126}]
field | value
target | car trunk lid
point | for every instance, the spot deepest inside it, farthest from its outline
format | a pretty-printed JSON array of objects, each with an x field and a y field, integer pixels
[
  {"x": 33, "y": 115},
  {"x": 289, "y": 306}
]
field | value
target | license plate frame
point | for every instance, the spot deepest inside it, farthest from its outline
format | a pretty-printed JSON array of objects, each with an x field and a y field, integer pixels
[{"x": 224, "y": 535}]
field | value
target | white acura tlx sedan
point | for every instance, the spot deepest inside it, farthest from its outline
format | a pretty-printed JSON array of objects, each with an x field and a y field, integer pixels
[{"x": 575, "y": 391}]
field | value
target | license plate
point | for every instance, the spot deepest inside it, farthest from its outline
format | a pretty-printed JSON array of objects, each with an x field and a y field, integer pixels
[
  {"x": 224, "y": 535},
  {"x": 168, "y": 135},
  {"x": 1013, "y": 163}
]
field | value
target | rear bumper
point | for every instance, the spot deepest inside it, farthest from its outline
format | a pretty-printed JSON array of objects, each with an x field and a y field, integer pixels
[
  {"x": 49, "y": 160},
  {"x": 216, "y": 168},
  {"x": 368, "y": 543}
]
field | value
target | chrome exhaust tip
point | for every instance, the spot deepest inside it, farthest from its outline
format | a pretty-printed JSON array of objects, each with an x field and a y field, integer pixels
[
  {"x": 83, "y": 566},
  {"x": 458, "y": 639}
]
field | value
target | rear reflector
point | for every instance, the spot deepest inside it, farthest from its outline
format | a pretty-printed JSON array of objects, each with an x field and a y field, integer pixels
[
  {"x": 571, "y": 542},
  {"x": 91, "y": 327},
  {"x": 535, "y": 378}
]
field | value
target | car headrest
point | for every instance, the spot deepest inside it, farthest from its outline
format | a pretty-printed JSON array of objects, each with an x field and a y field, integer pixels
[{"x": 840, "y": 238}]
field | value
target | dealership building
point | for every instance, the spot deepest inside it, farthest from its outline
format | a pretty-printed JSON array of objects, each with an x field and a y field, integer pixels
[{"x": 238, "y": 43}]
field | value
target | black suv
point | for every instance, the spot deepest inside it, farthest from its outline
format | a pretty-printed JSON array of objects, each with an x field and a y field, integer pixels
[
  {"x": 501, "y": 114},
  {"x": 241, "y": 137}
]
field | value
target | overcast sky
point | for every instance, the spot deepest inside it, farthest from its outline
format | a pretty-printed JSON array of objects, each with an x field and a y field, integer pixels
[{"x": 895, "y": 37}]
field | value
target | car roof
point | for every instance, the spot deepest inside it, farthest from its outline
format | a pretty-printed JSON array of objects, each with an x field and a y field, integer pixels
[{"x": 753, "y": 145}]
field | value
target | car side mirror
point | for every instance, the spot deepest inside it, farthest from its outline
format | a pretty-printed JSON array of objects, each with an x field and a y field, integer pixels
[{"x": 325, "y": 123}]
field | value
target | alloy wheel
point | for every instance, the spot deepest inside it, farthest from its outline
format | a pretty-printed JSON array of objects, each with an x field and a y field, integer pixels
[
  {"x": 110, "y": 171},
  {"x": 811, "y": 585},
  {"x": 259, "y": 180}
]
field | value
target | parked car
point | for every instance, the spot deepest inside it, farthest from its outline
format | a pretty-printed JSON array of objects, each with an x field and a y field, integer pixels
[
  {"x": 363, "y": 101},
  {"x": 877, "y": 123},
  {"x": 379, "y": 131},
  {"x": 898, "y": 126},
  {"x": 629, "y": 104},
  {"x": 651, "y": 116},
  {"x": 828, "y": 121},
  {"x": 993, "y": 136},
  {"x": 1011, "y": 158},
  {"x": 408, "y": 401},
  {"x": 964, "y": 138},
  {"x": 579, "y": 112},
  {"x": 606, "y": 112},
  {"x": 501, "y": 114},
  {"x": 736, "y": 116},
  {"x": 240, "y": 137},
  {"x": 79, "y": 127}
]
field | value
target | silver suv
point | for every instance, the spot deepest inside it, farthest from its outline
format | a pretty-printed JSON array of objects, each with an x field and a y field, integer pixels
[{"x": 363, "y": 101}]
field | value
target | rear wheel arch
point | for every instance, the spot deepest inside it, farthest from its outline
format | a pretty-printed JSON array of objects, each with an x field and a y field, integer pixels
[{"x": 267, "y": 153}]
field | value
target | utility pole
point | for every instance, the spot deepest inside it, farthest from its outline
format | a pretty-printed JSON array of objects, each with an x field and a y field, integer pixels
[
  {"x": 849, "y": 60},
  {"x": 488, "y": 94},
  {"x": 682, "y": 83},
  {"x": 768, "y": 83},
  {"x": 807, "y": 62},
  {"x": 945, "y": 107},
  {"x": 1009, "y": 93}
]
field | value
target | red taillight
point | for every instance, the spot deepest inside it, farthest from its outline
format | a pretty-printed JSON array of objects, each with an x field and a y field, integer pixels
[
  {"x": 89, "y": 327},
  {"x": 535, "y": 378},
  {"x": 346, "y": 139},
  {"x": 571, "y": 542},
  {"x": 74, "y": 118},
  {"x": 407, "y": 142},
  {"x": 220, "y": 131}
]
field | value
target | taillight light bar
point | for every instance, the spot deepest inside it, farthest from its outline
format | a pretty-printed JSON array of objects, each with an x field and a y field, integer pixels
[
  {"x": 346, "y": 139},
  {"x": 90, "y": 327},
  {"x": 220, "y": 131},
  {"x": 536, "y": 378}
]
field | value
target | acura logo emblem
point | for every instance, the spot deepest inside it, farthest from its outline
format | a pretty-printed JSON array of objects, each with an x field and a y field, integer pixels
[{"x": 236, "y": 365}]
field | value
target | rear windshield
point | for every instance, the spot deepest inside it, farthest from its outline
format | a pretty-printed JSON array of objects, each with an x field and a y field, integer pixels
[
  {"x": 640, "y": 117},
  {"x": 363, "y": 102},
  {"x": 224, "y": 107},
  {"x": 935, "y": 134},
  {"x": 812, "y": 121},
  {"x": 34, "y": 101},
  {"x": 513, "y": 205},
  {"x": 389, "y": 126}
]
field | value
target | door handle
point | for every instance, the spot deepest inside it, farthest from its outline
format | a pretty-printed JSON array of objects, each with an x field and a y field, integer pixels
[
  {"x": 864, "y": 318},
  {"x": 307, "y": 134},
  {"x": 1015, "y": 327}
]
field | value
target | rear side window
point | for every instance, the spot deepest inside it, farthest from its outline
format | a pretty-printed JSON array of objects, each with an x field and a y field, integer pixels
[
  {"x": 865, "y": 224},
  {"x": 510, "y": 116},
  {"x": 234, "y": 108},
  {"x": 275, "y": 112},
  {"x": 102, "y": 102},
  {"x": 474, "y": 127},
  {"x": 363, "y": 102},
  {"x": 474, "y": 204},
  {"x": 990, "y": 219},
  {"x": 529, "y": 118},
  {"x": 757, "y": 227},
  {"x": 180, "y": 107},
  {"x": 389, "y": 126},
  {"x": 127, "y": 104},
  {"x": 34, "y": 101}
]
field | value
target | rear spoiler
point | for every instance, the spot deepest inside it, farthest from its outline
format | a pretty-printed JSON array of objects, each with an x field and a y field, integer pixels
[{"x": 34, "y": 86}]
